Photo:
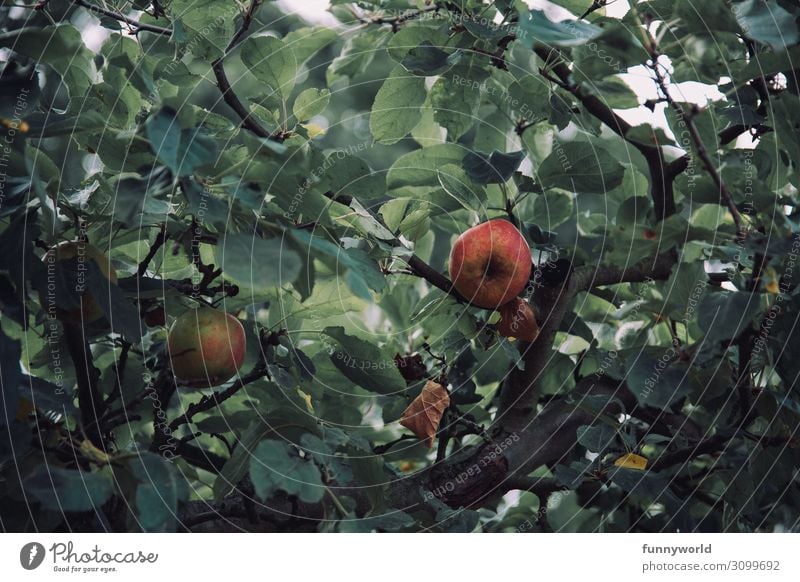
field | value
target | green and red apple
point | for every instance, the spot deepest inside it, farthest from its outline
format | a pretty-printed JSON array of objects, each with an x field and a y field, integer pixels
[{"x": 206, "y": 347}]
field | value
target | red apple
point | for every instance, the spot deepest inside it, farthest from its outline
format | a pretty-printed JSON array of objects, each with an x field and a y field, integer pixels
[
  {"x": 518, "y": 320},
  {"x": 89, "y": 310},
  {"x": 490, "y": 264},
  {"x": 206, "y": 347}
]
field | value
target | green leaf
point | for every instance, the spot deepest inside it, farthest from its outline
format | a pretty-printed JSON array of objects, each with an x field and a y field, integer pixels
[
  {"x": 615, "y": 93},
  {"x": 552, "y": 208},
  {"x": 596, "y": 438},
  {"x": 61, "y": 47},
  {"x": 204, "y": 205},
  {"x": 18, "y": 85},
  {"x": 397, "y": 108},
  {"x": 310, "y": 102},
  {"x": 364, "y": 363},
  {"x": 419, "y": 168},
  {"x": 272, "y": 62},
  {"x": 610, "y": 53},
  {"x": 357, "y": 54},
  {"x": 724, "y": 315},
  {"x": 768, "y": 63},
  {"x": 350, "y": 174},
  {"x": 705, "y": 18},
  {"x": 411, "y": 36},
  {"x": 269, "y": 422},
  {"x": 257, "y": 263},
  {"x": 338, "y": 467},
  {"x": 158, "y": 493},
  {"x": 530, "y": 97},
  {"x": 536, "y": 27},
  {"x": 181, "y": 150},
  {"x": 362, "y": 273},
  {"x": 426, "y": 60},
  {"x": 655, "y": 378},
  {"x": 581, "y": 167},
  {"x": 571, "y": 475},
  {"x": 646, "y": 134},
  {"x": 206, "y": 26},
  {"x": 455, "y": 97},
  {"x": 767, "y": 22},
  {"x": 455, "y": 183},
  {"x": 307, "y": 41},
  {"x": 685, "y": 290},
  {"x": 67, "y": 490},
  {"x": 118, "y": 309},
  {"x": 276, "y": 465},
  {"x": 494, "y": 168}
]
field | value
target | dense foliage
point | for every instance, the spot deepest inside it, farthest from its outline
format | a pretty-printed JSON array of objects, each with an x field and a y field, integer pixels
[{"x": 311, "y": 179}]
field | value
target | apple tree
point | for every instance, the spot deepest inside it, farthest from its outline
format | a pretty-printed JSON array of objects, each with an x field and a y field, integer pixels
[{"x": 288, "y": 187}]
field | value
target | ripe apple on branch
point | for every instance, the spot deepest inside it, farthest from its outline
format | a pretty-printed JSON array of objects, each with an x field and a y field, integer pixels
[{"x": 490, "y": 265}]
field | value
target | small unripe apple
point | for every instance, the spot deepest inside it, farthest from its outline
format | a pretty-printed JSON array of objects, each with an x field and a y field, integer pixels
[
  {"x": 89, "y": 310},
  {"x": 206, "y": 347},
  {"x": 490, "y": 264},
  {"x": 518, "y": 320},
  {"x": 156, "y": 317}
]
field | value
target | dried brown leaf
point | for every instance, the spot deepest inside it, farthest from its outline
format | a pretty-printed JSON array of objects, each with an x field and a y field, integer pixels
[{"x": 423, "y": 415}]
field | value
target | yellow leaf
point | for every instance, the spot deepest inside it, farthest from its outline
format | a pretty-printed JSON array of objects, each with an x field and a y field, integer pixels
[
  {"x": 423, "y": 415},
  {"x": 631, "y": 461},
  {"x": 92, "y": 453},
  {"x": 313, "y": 130},
  {"x": 771, "y": 281},
  {"x": 307, "y": 399}
]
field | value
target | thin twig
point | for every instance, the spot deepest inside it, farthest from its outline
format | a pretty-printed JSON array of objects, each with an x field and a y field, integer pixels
[
  {"x": 249, "y": 122},
  {"x": 139, "y": 26},
  {"x": 161, "y": 238},
  {"x": 688, "y": 118}
]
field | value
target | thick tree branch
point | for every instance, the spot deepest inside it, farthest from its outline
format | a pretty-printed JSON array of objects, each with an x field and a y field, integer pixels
[
  {"x": 519, "y": 396},
  {"x": 590, "y": 276}
]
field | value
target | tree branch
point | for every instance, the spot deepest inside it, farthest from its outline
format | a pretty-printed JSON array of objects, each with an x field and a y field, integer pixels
[
  {"x": 90, "y": 404},
  {"x": 249, "y": 122},
  {"x": 688, "y": 119},
  {"x": 215, "y": 399},
  {"x": 229, "y": 96},
  {"x": 660, "y": 181},
  {"x": 139, "y": 26},
  {"x": 161, "y": 238},
  {"x": 417, "y": 266},
  {"x": 519, "y": 396},
  {"x": 590, "y": 276}
]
